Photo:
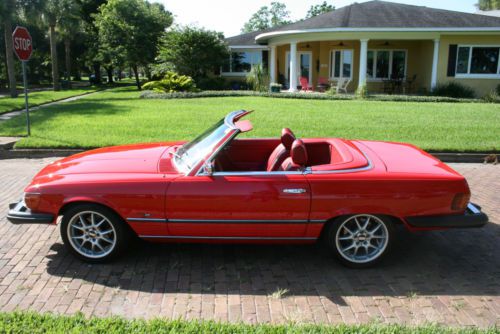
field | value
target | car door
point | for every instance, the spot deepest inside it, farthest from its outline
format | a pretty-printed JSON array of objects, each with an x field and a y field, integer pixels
[{"x": 239, "y": 205}]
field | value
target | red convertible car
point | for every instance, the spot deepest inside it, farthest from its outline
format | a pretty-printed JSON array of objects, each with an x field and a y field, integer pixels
[{"x": 216, "y": 188}]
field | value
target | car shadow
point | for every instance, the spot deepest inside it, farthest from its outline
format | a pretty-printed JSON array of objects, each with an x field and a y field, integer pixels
[{"x": 458, "y": 262}]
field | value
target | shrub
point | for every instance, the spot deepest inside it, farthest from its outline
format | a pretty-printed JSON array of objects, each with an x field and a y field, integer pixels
[
  {"x": 332, "y": 91},
  {"x": 213, "y": 83},
  {"x": 498, "y": 89},
  {"x": 491, "y": 97},
  {"x": 171, "y": 82},
  {"x": 258, "y": 78},
  {"x": 362, "y": 92},
  {"x": 158, "y": 71},
  {"x": 454, "y": 89}
]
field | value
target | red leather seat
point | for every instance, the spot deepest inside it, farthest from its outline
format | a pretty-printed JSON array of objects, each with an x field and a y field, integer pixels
[
  {"x": 297, "y": 159},
  {"x": 282, "y": 151}
]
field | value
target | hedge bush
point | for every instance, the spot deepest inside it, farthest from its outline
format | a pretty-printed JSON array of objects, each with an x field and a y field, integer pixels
[
  {"x": 454, "y": 89},
  {"x": 305, "y": 96}
]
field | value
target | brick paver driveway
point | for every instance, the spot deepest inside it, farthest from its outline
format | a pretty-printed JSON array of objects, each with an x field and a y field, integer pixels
[{"x": 448, "y": 277}]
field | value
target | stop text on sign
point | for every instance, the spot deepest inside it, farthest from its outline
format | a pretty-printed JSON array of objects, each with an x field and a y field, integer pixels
[{"x": 22, "y": 44}]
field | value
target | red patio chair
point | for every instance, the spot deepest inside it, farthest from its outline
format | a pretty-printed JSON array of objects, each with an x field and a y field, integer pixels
[
  {"x": 304, "y": 83},
  {"x": 323, "y": 84}
]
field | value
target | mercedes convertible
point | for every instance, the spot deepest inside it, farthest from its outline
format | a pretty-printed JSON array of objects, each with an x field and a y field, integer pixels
[{"x": 350, "y": 194}]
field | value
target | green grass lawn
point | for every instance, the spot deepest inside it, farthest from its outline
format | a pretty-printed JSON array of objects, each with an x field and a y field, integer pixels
[
  {"x": 30, "y": 322},
  {"x": 118, "y": 116},
  {"x": 39, "y": 97}
]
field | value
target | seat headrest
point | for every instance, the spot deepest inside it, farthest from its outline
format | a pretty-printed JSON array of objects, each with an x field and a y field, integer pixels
[
  {"x": 287, "y": 138},
  {"x": 299, "y": 152}
]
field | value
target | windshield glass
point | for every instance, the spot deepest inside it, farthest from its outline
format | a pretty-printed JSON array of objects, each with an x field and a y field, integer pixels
[{"x": 189, "y": 154}]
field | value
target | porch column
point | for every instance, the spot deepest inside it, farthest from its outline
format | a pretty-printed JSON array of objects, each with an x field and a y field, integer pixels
[
  {"x": 363, "y": 56},
  {"x": 435, "y": 58},
  {"x": 272, "y": 64},
  {"x": 293, "y": 67}
]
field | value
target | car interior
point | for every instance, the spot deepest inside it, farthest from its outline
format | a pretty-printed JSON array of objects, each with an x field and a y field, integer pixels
[{"x": 288, "y": 153}]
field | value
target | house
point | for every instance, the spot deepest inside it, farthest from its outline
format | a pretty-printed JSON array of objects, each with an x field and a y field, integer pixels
[{"x": 376, "y": 43}]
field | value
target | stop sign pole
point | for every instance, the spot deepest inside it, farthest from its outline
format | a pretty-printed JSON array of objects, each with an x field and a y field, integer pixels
[{"x": 23, "y": 48}]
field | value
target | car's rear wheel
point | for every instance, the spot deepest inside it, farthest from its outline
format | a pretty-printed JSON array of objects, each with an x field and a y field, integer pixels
[
  {"x": 93, "y": 233},
  {"x": 360, "y": 241}
]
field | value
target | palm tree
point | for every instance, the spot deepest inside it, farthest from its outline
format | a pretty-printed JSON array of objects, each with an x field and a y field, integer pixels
[
  {"x": 53, "y": 11},
  {"x": 7, "y": 10},
  {"x": 70, "y": 25}
]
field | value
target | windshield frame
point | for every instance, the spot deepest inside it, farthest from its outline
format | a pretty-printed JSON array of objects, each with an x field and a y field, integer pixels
[{"x": 231, "y": 130}]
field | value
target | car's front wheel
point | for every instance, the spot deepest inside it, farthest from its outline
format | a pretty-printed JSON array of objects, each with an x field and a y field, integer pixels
[
  {"x": 360, "y": 241},
  {"x": 93, "y": 233}
]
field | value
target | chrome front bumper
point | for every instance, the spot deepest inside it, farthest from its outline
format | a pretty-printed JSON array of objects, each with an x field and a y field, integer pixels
[{"x": 20, "y": 214}]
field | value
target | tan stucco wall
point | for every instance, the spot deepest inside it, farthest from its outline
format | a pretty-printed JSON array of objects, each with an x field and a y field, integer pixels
[
  {"x": 419, "y": 60},
  {"x": 480, "y": 86},
  {"x": 420, "y": 47}
]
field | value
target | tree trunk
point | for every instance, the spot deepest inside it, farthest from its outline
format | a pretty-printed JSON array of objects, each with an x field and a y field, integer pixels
[
  {"x": 67, "y": 54},
  {"x": 148, "y": 73},
  {"x": 9, "y": 55},
  {"x": 97, "y": 72},
  {"x": 53, "y": 56},
  {"x": 109, "y": 70},
  {"x": 138, "y": 83}
]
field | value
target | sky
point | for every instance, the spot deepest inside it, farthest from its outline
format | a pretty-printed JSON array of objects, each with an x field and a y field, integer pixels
[{"x": 228, "y": 16}]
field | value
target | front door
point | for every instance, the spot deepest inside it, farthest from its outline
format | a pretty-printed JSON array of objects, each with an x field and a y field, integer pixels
[
  {"x": 235, "y": 205},
  {"x": 304, "y": 65}
]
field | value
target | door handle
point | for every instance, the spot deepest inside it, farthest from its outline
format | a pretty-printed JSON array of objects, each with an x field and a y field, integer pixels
[{"x": 294, "y": 190}]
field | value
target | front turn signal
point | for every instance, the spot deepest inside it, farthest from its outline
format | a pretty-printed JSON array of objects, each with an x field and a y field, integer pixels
[
  {"x": 32, "y": 200},
  {"x": 460, "y": 202}
]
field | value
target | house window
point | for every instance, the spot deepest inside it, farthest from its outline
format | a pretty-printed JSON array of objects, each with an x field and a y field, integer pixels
[
  {"x": 385, "y": 64},
  {"x": 341, "y": 64},
  {"x": 242, "y": 62},
  {"x": 478, "y": 61}
]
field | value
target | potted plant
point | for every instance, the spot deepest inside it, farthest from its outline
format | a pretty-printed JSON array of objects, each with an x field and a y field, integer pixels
[{"x": 275, "y": 87}]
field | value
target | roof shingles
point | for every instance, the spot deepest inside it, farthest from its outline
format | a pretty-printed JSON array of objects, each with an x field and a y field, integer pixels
[{"x": 380, "y": 14}]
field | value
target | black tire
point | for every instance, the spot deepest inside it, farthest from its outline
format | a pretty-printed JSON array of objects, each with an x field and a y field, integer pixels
[
  {"x": 120, "y": 231},
  {"x": 332, "y": 232}
]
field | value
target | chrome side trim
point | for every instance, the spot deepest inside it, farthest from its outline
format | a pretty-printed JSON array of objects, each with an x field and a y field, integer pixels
[
  {"x": 237, "y": 221},
  {"x": 222, "y": 238},
  {"x": 225, "y": 221},
  {"x": 255, "y": 173},
  {"x": 157, "y": 220}
]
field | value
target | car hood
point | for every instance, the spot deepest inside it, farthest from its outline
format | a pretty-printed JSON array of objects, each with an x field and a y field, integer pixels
[{"x": 137, "y": 158}]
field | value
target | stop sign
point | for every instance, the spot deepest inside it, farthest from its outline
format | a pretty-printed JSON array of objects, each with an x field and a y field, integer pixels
[{"x": 23, "y": 46}]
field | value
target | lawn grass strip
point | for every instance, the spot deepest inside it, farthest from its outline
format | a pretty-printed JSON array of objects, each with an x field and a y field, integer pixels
[{"x": 31, "y": 322}]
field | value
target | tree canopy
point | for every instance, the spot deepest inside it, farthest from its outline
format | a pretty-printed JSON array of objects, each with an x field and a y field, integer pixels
[
  {"x": 488, "y": 4},
  {"x": 267, "y": 17},
  {"x": 192, "y": 51},
  {"x": 131, "y": 28},
  {"x": 316, "y": 10}
]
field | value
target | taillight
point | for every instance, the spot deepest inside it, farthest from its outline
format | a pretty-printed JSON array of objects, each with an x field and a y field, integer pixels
[
  {"x": 32, "y": 200},
  {"x": 460, "y": 202}
]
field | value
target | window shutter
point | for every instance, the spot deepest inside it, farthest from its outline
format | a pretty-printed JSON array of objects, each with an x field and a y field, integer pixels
[{"x": 452, "y": 60}]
